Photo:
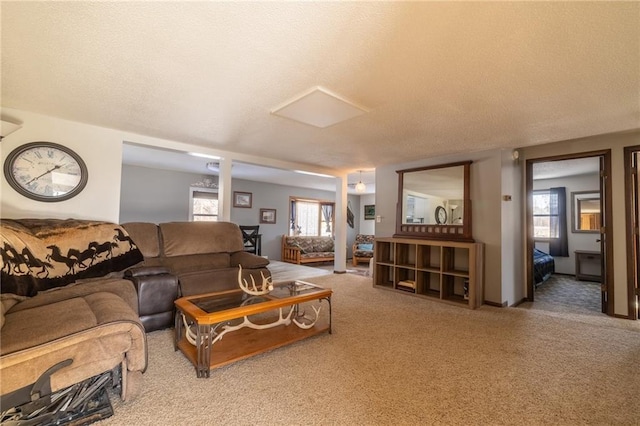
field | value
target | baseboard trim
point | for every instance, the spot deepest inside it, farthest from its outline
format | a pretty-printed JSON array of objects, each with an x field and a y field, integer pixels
[
  {"x": 497, "y": 305},
  {"x": 520, "y": 302}
]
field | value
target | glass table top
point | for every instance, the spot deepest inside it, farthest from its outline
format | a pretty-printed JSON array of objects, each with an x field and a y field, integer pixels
[{"x": 222, "y": 302}]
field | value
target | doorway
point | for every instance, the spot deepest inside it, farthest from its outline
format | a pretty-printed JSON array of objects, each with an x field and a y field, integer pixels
[
  {"x": 632, "y": 208},
  {"x": 568, "y": 219}
]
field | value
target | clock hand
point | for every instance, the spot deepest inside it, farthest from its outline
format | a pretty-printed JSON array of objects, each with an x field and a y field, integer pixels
[{"x": 48, "y": 171}]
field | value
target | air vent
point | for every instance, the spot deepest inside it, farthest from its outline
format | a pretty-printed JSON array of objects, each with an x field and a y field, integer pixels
[{"x": 319, "y": 107}]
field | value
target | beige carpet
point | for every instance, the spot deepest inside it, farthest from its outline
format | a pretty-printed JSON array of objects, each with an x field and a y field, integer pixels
[{"x": 394, "y": 359}]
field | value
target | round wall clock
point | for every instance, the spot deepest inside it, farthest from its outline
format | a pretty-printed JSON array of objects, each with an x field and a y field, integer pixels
[
  {"x": 441, "y": 215},
  {"x": 45, "y": 171}
]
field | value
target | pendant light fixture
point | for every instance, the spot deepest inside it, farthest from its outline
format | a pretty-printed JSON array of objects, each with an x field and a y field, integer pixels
[{"x": 360, "y": 186}]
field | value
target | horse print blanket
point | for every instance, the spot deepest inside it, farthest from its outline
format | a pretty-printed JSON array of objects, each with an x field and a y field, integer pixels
[{"x": 40, "y": 254}]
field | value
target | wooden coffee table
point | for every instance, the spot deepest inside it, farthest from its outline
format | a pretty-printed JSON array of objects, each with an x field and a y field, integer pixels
[{"x": 216, "y": 329}]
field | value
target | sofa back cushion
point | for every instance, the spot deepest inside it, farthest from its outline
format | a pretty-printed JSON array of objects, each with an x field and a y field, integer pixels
[
  {"x": 185, "y": 238},
  {"x": 364, "y": 239},
  {"x": 146, "y": 235},
  {"x": 197, "y": 262},
  {"x": 40, "y": 254},
  {"x": 323, "y": 244},
  {"x": 310, "y": 244},
  {"x": 305, "y": 244}
]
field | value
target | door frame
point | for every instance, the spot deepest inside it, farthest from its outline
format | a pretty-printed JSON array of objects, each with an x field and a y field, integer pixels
[
  {"x": 607, "y": 235},
  {"x": 633, "y": 239}
]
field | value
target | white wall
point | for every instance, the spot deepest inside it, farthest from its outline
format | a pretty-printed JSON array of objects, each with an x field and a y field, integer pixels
[
  {"x": 155, "y": 195},
  {"x": 101, "y": 150},
  {"x": 615, "y": 142}
]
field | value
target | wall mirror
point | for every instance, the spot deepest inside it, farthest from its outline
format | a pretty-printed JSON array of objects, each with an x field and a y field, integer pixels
[
  {"x": 434, "y": 202},
  {"x": 585, "y": 211}
]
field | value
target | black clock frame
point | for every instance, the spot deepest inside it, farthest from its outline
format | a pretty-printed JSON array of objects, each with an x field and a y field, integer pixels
[
  {"x": 444, "y": 212},
  {"x": 8, "y": 167}
]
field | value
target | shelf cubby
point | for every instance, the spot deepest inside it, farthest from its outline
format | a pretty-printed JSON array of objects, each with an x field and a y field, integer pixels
[
  {"x": 429, "y": 258},
  {"x": 449, "y": 271},
  {"x": 428, "y": 284},
  {"x": 384, "y": 253},
  {"x": 385, "y": 274},
  {"x": 453, "y": 288},
  {"x": 406, "y": 255}
]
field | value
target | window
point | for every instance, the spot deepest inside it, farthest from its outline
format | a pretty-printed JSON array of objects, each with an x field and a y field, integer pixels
[
  {"x": 545, "y": 224},
  {"x": 311, "y": 217},
  {"x": 203, "y": 205}
]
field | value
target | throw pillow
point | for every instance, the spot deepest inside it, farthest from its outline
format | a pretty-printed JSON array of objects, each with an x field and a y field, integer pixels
[{"x": 365, "y": 246}]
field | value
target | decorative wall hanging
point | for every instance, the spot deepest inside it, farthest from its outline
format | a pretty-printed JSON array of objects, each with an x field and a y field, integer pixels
[
  {"x": 369, "y": 212},
  {"x": 268, "y": 216},
  {"x": 350, "y": 216},
  {"x": 206, "y": 182},
  {"x": 242, "y": 199}
]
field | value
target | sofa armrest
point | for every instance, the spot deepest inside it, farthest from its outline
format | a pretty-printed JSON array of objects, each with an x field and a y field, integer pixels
[
  {"x": 291, "y": 254},
  {"x": 157, "y": 289},
  {"x": 248, "y": 260},
  {"x": 145, "y": 271}
]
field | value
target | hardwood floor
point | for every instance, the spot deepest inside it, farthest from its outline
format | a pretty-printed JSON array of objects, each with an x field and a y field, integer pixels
[{"x": 283, "y": 271}]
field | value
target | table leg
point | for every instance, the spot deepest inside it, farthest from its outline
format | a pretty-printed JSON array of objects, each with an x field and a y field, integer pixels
[
  {"x": 328, "y": 299},
  {"x": 177, "y": 330},
  {"x": 203, "y": 346}
]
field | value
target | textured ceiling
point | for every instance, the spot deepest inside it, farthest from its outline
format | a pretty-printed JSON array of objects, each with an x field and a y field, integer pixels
[{"x": 436, "y": 77}]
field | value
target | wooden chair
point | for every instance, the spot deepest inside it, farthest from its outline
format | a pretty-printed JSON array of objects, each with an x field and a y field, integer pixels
[{"x": 252, "y": 239}]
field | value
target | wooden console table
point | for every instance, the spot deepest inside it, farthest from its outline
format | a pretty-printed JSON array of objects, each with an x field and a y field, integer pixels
[{"x": 449, "y": 271}]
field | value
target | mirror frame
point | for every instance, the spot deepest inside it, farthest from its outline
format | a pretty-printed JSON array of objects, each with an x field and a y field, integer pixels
[
  {"x": 575, "y": 197},
  {"x": 441, "y": 232}
]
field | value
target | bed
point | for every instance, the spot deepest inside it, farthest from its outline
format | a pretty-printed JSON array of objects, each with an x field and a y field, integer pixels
[{"x": 543, "y": 266}]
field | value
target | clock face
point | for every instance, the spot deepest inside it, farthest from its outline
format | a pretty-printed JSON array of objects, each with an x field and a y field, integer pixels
[
  {"x": 441, "y": 215},
  {"x": 45, "y": 171}
]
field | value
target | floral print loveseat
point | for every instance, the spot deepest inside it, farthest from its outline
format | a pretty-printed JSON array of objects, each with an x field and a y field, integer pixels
[{"x": 306, "y": 249}]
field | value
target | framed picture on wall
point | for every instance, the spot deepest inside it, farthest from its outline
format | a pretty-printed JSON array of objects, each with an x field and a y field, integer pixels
[
  {"x": 242, "y": 199},
  {"x": 267, "y": 215},
  {"x": 369, "y": 212}
]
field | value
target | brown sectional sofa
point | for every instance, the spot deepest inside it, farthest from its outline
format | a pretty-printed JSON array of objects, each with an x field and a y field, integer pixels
[
  {"x": 86, "y": 291},
  {"x": 204, "y": 256}
]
